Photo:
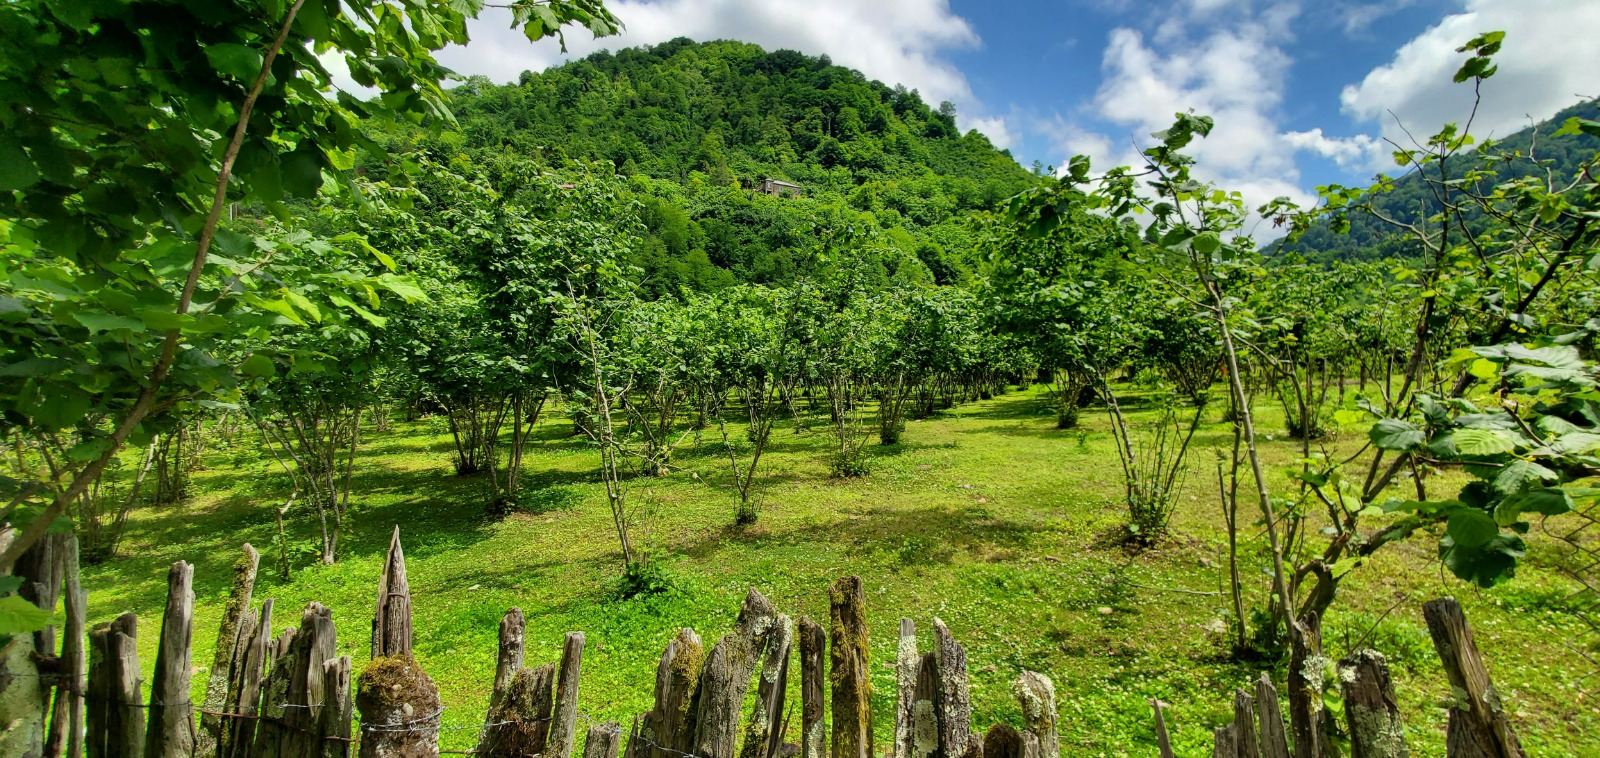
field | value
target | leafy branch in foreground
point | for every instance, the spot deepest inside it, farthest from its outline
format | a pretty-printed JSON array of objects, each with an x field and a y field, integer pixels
[{"x": 124, "y": 292}]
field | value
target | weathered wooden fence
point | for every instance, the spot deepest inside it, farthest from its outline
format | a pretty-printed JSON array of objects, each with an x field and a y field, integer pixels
[{"x": 291, "y": 696}]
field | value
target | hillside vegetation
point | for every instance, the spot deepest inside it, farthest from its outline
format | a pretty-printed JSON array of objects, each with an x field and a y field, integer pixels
[{"x": 1410, "y": 200}]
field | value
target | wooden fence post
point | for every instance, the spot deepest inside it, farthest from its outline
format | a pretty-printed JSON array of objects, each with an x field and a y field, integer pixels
[
  {"x": 508, "y": 658},
  {"x": 391, "y": 622},
  {"x": 399, "y": 703},
  {"x": 1274, "y": 743},
  {"x": 1478, "y": 724},
  {"x": 954, "y": 705},
  {"x": 925, "y": 708},
  {"x": 171, "y": 730},
  {"x": 521, "y": 725},
  {"x": 115, "y": 705},
  {"x": 670, "y": 725},
  {"x": 725, "y": 678},
  {"x": 337, "y": 708},
  {"x": 1244, "y": 725},
  {"x": 849, "y": 671},
  {"x": 315, "y": 645},
  {"x": 907, "y": 663},
  {"x": 250, "y": 656},
  {"x": 1163, "y": 741},
  {"x": 602, "y": 741},
  {"x": 73, "y": 683},
  {"x": 1226, "y": 742},
  {"x": 275, "y": 693},
  {"x": 813, "y": 732},
  {"x": 25, "y": 659},
  {"x": 764, "y": 734},
  {"x": 1307, "y": 671},
  {"x": 1037, "y": 696},
  {"x": 1003, "y": 741},
  {"x": 1371, "y": 711},
  {"x": 563, "y": 729},
  {"x": 244, "y": 582}
]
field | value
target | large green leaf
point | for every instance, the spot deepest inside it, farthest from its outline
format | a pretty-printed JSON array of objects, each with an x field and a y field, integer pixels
[
  {"x": 16, "y": 170},
  {"x": 241, "y": 62},
  {"x": 1486, "y": 564},
  {"x": 1476, "y": 442},
  {"x": 1471, "y": 527},
  {"x": 1550, "y": 501},
  {"x": 106, "y": 322},
  {"x": 1519, "y": 474},
  {"x": 18, "y": 616},
  {"x": 1395, "y": 434}
]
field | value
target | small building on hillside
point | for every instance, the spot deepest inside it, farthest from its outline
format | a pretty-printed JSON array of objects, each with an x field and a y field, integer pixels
[{"x": 777, "y": 187}]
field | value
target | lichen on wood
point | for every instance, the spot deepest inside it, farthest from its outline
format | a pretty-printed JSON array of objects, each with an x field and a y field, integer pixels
[{"x": 400, "y": 709}]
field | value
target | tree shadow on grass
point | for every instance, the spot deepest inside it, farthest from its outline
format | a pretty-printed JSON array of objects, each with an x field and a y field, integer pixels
[{"x": 926, "y": 535}]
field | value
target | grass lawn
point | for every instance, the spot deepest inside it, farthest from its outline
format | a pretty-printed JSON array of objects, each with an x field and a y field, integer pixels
[{"x": 985, "y": 516}]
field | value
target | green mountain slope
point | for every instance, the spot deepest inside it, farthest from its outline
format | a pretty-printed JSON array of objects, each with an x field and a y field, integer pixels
[
  {"x": 1411, "y": 200},
  {"x": 737, "y": 112},
  {"x": 698, "y": 126}
]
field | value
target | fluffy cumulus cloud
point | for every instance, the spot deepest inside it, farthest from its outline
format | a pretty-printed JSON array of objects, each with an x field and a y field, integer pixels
[
  {"x": 896, "y": 41},
  {"x": 1233, "y": 72},
  {"x": 1355, "y": 153},
  {"x": 1549, "y": 60}
]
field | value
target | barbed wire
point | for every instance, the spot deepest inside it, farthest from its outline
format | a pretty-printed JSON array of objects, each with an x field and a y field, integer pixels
[{"x": 429, "y": 723}]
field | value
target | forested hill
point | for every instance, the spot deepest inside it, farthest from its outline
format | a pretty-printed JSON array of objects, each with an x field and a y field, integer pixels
[
  {"x": 1372, "y": 239},
  {"x": 737, "y": 112},
  {"x": 697, "y": 126}
]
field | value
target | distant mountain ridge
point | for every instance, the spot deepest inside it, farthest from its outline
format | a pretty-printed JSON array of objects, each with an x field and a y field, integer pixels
[{"x": 1372, "y": 239}]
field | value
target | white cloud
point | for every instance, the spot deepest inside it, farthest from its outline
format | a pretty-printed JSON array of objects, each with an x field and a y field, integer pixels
[
  {"x": 1355, "y": 153},
  {"x": 1358, "y": 18},
  {"x": 1548, "y": 61},
  {"x": 994, "y": 127},
  {"x": 1234, "y": 73},
  {"x": 896, "y": 41}
]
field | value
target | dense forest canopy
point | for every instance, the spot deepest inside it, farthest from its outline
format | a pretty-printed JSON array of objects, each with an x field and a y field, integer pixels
[{"x": 697, "y": 126}]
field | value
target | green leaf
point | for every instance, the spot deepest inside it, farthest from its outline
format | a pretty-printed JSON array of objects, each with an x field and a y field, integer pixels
[
  {"x": 34, "y": 367},
  {"x": 1486, "y": 564},
  {"x": 302, "y": 169},
  {"x": 1550, "y": 501},
  {"x": 18, "y": 616},
  {"x": 404, "y": 286},
  {"x": 16, "y": 169},
  {"x": 1471, "y": 527},
  {"x": 88, "y": 449},
  {"x": 280, "y": 307},
  {"x": 258, "y": 365},
  {"x": 345, "y": 302},
  {"x": 1484, "y": 369},
  {"x": 304, "y": 304},
  {"x": 61, "y": 410},
  {"x": 1480, "y": 442},
  {"x": 1576, "y": 443},
  {"x": 1577, "y": 125},
  {"x": 107, "y": 322},
  {"x": 241, "y": 62},
  {"x": 1520, "y": 474},
  {"x": 1395, "y": 434}
]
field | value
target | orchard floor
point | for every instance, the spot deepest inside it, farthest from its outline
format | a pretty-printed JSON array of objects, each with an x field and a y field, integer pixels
[{"x": 985, "y": 516}]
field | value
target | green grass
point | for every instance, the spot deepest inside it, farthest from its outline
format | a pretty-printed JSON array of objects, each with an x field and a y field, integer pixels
[{"x": 985, "y": 516}]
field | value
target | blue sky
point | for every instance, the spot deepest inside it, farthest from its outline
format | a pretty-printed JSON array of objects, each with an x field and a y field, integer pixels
[{"x": 1304, "y": 91}]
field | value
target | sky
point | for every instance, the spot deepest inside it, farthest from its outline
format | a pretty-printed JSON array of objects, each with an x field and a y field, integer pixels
[{"x": 1303, "y": 93}]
